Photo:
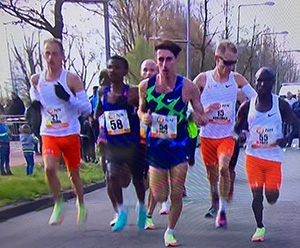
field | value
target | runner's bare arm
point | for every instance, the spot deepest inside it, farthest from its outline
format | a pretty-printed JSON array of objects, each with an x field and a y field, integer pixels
[
  {"x": 242, "y": 118},
  {"x": 191, "y": 93},
  {"x": 80, "y": 99},
  {"x": 99, "y": 110},
  {"x": 133, "y": 96},
  {"x": 74, "y": 83},
  {"x": 33, "y": 92},
  {"x": 144, "y": 115},
  {"x": 200, "y": 81}
]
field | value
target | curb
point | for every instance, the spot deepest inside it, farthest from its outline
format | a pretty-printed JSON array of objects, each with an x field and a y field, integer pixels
[{"x": 43, "y": 202}]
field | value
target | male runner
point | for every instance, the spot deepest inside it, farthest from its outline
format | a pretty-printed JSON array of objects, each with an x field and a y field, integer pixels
[
  {"x": 263, "y": 117},
  {"x": 122, "y": 150},
  {"x": 220, "y": 86},
  {"x": 148, "y": 70},
  {"x": 63, "y": 99},
  {"x": 163, "y": 105}
]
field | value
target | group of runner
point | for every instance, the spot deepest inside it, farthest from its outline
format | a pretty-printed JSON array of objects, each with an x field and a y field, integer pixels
[{"x": 159, "y": 107}]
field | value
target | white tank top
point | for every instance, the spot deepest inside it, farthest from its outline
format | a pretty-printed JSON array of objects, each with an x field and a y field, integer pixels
[
  {"x": 221, "y": 122},
  {"x": 265, "y": 128},
  {"x": 59, "y": 118}
]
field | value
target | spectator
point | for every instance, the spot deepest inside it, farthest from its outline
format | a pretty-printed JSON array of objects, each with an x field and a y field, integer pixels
[
  {"x": 296, "y": 109},
  {"x": 28, "y": 142},
  {"x": 4, "y": 147},
  {"x": 16, "y": 105},
  {"x": 34, "y": 119},
  {"x": 290, "y": 98},
  {"x": 103, "y": 78},
  {"x": 94, "y": 98},
  {"x": 94, "y": 103},
  {"x": 87, "y": 140},
  {"x": 2, "y": 111}
]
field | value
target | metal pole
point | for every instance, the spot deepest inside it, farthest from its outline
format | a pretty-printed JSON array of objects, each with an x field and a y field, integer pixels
[
  {"x": 188, "y": 44},
  {"x": 14, "y": 88},
  {"x": 238, "y": 25},
  {"x": 106, "y": 27}
]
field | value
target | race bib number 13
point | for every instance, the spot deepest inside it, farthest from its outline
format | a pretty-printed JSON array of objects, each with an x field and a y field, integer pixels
[
  {"x": 117, "y": 122},
  {"x": 164, "y": 126}
]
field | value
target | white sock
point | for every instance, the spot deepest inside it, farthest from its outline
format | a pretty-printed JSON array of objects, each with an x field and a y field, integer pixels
[
  {"x": 223, "y": 204},
  {"x": 140, "y": 204},
  {"x": 121, "y": 208},
  {"x": 170, "y": 231}
]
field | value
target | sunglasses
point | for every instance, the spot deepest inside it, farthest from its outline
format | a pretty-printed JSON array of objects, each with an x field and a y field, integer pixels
[{"x": 228, "y": 62}]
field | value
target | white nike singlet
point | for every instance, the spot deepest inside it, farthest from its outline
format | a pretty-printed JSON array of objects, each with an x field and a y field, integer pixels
[
  {"x": 59, "y": 118},
  {"x": 221, "y": 122},
  {"x": 265, "y": 128}
]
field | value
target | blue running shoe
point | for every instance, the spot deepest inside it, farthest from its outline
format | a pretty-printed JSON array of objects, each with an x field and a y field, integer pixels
[
  {"x": 141, "y": 221},
  {"x": 121, "y": 222}
]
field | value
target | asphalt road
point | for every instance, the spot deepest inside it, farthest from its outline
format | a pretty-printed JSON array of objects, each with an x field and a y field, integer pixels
[{"x": 193, "y": 230}]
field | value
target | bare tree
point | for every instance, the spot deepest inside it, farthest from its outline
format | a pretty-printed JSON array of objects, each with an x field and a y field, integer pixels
[
  {"x": 36, "y": 17},
  {"x": 27, "y": 59}
]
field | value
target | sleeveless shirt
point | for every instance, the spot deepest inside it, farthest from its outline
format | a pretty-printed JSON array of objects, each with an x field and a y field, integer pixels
[
  {"x": 121, "y": 121},
  {"x": 221, "y": 122},
  {"x": 265, "y": 128},
  {"x": 59, "y": 118}
]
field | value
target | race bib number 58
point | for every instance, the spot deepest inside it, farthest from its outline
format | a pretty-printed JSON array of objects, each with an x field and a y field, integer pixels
[
  {"x": 164, "y": 126},
  {"x": 117, "y": 122}
]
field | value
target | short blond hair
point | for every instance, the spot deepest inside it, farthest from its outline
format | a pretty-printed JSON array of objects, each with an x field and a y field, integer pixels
[
  {"x": 225, "y": 45},
  {"x": 56, "y": 41}
]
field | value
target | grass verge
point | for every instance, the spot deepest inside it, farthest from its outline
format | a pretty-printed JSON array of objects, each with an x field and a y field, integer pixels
[{"x": 20, "y": 188}]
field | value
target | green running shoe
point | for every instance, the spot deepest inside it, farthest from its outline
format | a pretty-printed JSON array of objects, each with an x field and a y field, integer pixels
[
  {"x": 259, "y": 235},
  {"x": 149, "y": 224},
  {"x": 170, "y": 240},
  {"x": 57, "y": 214},
  {"x": 81, "y": 215}
]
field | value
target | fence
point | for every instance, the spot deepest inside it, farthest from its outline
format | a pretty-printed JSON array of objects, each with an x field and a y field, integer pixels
[{"x": 14, "y": 122}]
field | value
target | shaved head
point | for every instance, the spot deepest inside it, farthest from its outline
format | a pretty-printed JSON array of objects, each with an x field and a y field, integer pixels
[{"x": 148, "y": 68}]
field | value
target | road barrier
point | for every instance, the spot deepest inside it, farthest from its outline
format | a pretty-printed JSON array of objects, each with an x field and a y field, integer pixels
[{"x": 14, "y": 122}]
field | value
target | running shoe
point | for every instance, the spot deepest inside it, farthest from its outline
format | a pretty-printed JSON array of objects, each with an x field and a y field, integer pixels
[
  {"x": 81, "y": 215},
  {"x": 211, "y": 213},
  {"x": 149, "y": 224},
  {"x": 170, "y": 240},
  {"x": 164, "y": 208},
  {"x": 221, "y": 220},
  {"x": 141, "y": 217},
  {"x": 259, "y": 235},
  {"x": 57, "y": 214},
  {"x": 113, "y": 222},
  {"x": 121, "y": 222}
]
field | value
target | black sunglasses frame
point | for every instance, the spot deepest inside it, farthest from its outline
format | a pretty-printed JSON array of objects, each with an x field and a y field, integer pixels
[{"x": 228, "y": 62}]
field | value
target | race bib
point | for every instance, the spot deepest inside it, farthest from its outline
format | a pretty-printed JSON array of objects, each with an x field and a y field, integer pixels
[
  {"x": 54, "y": 119},
  {"x": 264, "y": 138},
  {"x": 164, "y": 126},
  {"x": 223, "y": 115},
  {"x": 117, "y": 122}
]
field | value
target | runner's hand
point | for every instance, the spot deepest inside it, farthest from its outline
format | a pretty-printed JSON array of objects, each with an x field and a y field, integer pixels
[
  {"x": 282, "y": 142},
  {"x": 213, "y": 107},
  {"x": 147, "y": 117},
  {"x": 242, "y": 137},
  {"x": 61, "y": 92}
]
